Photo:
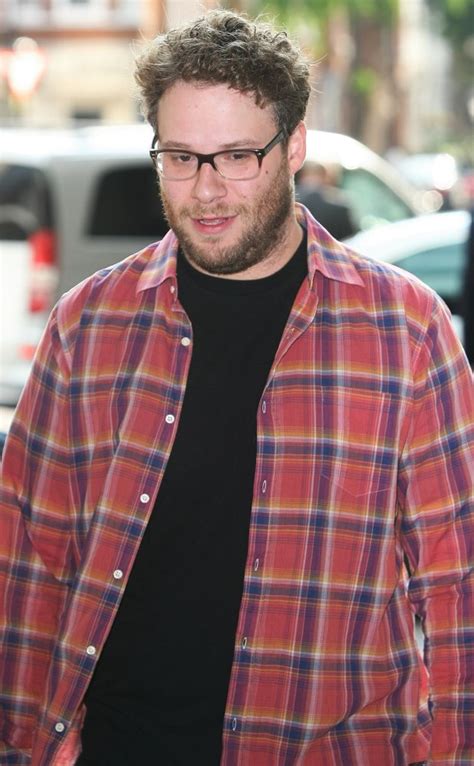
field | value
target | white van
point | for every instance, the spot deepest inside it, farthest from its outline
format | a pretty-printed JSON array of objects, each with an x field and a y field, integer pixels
[{"x": 73, "y": 201}]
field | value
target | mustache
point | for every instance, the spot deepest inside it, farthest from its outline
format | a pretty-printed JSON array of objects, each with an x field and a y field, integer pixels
[{"x": 218, "y": 211}]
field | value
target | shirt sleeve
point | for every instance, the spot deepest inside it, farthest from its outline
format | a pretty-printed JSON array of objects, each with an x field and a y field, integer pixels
[
  {"x": 436, "y": 499},
  {"x": 36, "y": 555}
]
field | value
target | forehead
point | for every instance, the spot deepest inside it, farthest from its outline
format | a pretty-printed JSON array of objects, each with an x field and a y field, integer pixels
[{"x": 191, "y": 112}]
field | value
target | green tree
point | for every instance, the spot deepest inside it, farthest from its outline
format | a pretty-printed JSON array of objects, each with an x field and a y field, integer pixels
[
  {"x": 322, "y": 9},
  {"x": 457, "y": 18},
  {"x": 362, "y": 75},
  {"x": 456, "y": 21}
]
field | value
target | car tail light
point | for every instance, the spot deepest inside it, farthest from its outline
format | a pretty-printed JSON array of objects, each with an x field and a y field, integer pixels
[{"x": 44, "y": 272}]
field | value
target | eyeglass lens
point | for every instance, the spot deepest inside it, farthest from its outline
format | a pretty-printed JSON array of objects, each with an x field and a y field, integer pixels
[{"x": 235, "y": 165}]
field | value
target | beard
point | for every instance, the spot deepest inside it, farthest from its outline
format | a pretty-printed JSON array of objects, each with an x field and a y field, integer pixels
[{"x": 264, "y": 222}]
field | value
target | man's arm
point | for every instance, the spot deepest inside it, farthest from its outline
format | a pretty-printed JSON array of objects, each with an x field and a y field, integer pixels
[
  {"x": 36, "y": 558},
  {"x": 436, "y": 497}
]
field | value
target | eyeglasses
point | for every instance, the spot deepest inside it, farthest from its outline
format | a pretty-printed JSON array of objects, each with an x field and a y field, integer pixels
[{"x": 233, "y": 164}]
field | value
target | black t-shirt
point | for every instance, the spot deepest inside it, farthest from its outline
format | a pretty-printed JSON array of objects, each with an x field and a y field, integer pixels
[{"x": 159, "y": 691}]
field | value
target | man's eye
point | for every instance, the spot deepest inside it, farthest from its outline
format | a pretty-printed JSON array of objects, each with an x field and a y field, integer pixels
[
  {"x": 181, "y": 158},
  {"x": 237, "y": 156}
]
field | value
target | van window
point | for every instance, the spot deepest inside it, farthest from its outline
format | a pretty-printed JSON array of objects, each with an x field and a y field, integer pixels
[
  {"x": 372, "y": 200},
  {"x": 126, "y": 204},
  {"x": 25, "y": 201}
]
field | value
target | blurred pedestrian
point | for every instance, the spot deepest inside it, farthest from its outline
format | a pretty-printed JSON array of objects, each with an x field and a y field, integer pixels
[
  {"x": 229, "y": 445},
  {"x": 326, "y": 202}
]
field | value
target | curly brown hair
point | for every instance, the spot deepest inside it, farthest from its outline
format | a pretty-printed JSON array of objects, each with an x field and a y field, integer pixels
[{"x": 223, "y": 47}]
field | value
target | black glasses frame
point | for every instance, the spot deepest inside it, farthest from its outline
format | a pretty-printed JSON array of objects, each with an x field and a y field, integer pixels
[{"x": 210, "y": 158}]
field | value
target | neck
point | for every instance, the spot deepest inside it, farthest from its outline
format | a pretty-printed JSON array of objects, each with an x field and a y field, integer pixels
[{"x": 291, "y": 236}]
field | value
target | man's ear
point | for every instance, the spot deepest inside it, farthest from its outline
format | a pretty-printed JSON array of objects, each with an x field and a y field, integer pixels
[{"x": 297, "y": 148}]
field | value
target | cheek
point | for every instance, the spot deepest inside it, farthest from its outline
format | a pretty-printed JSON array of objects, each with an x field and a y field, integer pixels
[
  {"x": 170, "y": 191},
  {"x": 249, "y": 191},
  {"x": 175, "y": 197}
]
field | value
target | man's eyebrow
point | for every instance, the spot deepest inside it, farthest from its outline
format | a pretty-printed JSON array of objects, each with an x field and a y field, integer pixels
[{"x": 248, "y": 143}]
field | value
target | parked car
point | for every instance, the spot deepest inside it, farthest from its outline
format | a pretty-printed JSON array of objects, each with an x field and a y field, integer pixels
[
  {"x": 433, "y": 247},
  {"x": 73, "y": 201}
]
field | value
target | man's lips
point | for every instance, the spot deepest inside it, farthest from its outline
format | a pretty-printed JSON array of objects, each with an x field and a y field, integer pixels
[
  {"x": 213, "y": 223},
  {"x": 213, "y": 218}
]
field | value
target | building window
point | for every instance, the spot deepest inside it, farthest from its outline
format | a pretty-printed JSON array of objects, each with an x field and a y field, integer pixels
[
  {"x": 93, "y": 13},
  {"x": 86, "y": 115},
  {"x": 72, "y": 13}
]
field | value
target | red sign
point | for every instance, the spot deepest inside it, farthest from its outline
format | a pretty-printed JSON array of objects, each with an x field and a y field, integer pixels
[{"x": 23, "y": 67}]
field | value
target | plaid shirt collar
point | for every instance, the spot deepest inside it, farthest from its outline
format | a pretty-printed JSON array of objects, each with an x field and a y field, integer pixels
[{"x": 325, "y": 255}]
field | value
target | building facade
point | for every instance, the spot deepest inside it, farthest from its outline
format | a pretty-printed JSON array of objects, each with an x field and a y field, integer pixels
[{"x": 71, "y": 61}]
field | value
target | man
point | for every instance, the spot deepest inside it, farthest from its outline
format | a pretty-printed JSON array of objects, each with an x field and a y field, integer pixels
[
  {"x": 229, "y": 445},
  {"x": 326, "y": 202}
]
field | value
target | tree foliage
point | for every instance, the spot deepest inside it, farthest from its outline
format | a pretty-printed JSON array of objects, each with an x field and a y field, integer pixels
[
  {"x": 285, "y": 10},
  {"x": 456, "y": 17}
]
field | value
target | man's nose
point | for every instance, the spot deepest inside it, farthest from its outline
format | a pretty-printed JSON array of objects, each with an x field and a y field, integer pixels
[{"x": 209, "y": 185}]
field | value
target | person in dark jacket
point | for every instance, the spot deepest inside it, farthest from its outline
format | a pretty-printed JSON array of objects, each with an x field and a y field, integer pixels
[{"x": 326, "y": 202}]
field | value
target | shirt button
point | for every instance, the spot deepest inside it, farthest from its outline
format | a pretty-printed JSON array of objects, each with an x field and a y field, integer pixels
[
  {"x": 172, "y": 289},
  {"x": 91, "y": 650},
  {"x": 185, "y": 341},
  {"x": 59, "y": 727},
  {"x": 144, "y": 498},
  {"x": 264, "y": 486},
  {"x": 234, "y": 724},
  {"x": 170, "y": 418},
  {"x": 118, "y": 574},
  {"x": 264, "y": 407},
  {"x": 244, "y": 642},
  {"x": 256, "y": 565}
]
